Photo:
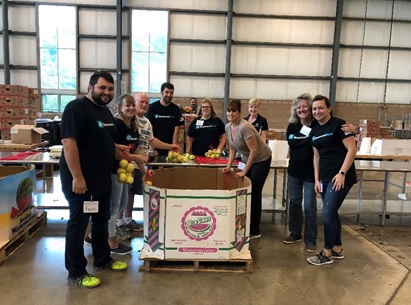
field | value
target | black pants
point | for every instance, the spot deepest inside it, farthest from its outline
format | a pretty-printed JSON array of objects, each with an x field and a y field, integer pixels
[
  {"x": 76, "y": 228},
  {"x": 258, "y": 174}
]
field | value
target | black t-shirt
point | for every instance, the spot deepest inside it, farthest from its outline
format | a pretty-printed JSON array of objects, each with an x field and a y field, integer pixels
[
  {"x": 301, "y": 152},
  {"x": 206, "y": 134},
  {"x": 260, "y": 123},
  {"x": 125, "y": 136},
  {"x": 327, "y": 139},
  {"x": 94, "y": 130},
  {"x": 164, "y": 119}
]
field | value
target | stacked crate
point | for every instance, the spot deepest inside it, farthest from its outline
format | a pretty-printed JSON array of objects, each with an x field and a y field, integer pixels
[
  {"x": 371, "y": 129},
  {"x": 18, "y": 105}
]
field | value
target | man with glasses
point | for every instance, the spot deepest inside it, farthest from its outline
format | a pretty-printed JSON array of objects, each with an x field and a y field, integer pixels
[{"x": 165, "y": 117}]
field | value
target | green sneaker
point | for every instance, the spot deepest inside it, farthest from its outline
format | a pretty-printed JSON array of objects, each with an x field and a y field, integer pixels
[
  {"x": 112, "y": 266},
  {"x": 86, "y": 281}
]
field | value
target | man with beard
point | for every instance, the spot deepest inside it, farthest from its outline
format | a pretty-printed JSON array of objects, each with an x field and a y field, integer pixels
[
  {"x": 165, "y": 117},
  {"x": 88, "y": 132}
]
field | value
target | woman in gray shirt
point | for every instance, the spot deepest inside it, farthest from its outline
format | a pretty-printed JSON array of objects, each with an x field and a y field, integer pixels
[{"x": 256, "y": 156}]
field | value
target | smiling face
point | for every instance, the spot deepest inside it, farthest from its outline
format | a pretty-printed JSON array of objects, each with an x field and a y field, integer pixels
[
  {"x": 206, "y": 110},
  {"x": 321, "y": 112},
  {"x": 128, "y": 108},
  {"x": 167, "y": 95},
  {"x": 102, "y": 92},
  {"x": 303, "y": 110},
  {"x": 142, "y": 102},
  {"x": 253, "y": 110}
]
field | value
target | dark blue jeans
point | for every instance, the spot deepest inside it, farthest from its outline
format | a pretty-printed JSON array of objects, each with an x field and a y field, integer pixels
[
  {"x": 258, "y": 174},
  {"x": 296, "y": 188},
  {"x": 76, "y": 228},
  {"x": 332, "y": 201}
]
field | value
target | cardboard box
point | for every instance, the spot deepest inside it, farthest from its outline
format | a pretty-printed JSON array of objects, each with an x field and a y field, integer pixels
[
  {"x": 196, "y": 213},
  {"x": 391, "y": 147},
  {"x": 16, "y": 200},
  {"x": 26, "y": 134}
]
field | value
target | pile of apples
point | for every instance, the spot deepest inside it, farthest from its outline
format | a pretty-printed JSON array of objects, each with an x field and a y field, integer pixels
[
  {"x": 125, "y": 172},
  {"x": 213, "y": 153},
  {"x": 175, "y": 157}
]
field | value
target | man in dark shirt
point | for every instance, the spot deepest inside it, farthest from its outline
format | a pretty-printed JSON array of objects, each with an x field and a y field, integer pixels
[
  {"x": 165, "y": 117},
  {"x": 88, "y": 132}
]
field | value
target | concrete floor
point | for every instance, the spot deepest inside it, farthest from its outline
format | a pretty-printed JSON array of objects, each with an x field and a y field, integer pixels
[{"x": 375, "y": 270}]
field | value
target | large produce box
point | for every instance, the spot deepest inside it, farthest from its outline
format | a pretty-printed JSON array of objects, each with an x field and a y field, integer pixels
[
  {"x": 196, "y": 213},
  {"x": 16, "y": 200}
]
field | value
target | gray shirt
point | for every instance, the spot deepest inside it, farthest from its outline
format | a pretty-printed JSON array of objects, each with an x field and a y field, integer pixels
[{"x": 246, "y": 131}]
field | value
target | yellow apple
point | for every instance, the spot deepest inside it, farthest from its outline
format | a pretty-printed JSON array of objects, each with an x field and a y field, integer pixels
[
  {"x": 123, "y": 163},
  {"x": 130, "y": 168},
  {"x": 130, "y": 180},
  {"x": 122, "y": 178},
  {"x": 192, "y": 157},
  {"x": 120, "y": 170},
  {"x": 149, "y": 183}
]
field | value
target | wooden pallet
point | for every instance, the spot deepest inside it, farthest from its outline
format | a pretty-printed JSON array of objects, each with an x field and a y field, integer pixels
[
  {"x": 235, "y": 266},
  {"x": 27, "y": 232}
]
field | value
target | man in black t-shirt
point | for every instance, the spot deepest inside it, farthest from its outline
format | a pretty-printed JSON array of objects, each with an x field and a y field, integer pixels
[
  {"x": 165, "y": 117},
  {"x": 88, "y": 132}
]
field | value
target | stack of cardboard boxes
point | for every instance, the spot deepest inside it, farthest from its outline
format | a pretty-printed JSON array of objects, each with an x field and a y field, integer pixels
[
  {"x": 18, "y": 105},
  {"x": 368, "y": 128}
]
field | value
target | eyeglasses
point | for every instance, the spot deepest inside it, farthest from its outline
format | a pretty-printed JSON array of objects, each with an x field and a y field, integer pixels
[{"x": 205, "y": 107}]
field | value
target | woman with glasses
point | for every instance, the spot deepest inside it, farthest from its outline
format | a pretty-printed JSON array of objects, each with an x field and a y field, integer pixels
[
  {"x": 257, "y": 120},
  {"x": 256, "y": 158},
  {"x": 205, "y": 132}
]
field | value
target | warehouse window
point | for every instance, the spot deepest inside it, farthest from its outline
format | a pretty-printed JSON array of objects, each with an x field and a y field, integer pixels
[
  {"x": 148, "y": 50},
  {"x": 57, "y": 37}
]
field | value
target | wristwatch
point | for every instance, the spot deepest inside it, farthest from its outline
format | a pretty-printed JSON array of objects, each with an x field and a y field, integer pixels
[{"x": 342, "y": 173}]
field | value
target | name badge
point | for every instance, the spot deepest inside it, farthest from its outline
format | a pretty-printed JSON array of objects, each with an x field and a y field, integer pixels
[
  {"x": 200, "y": 123},
  {"x": 90, "y": 206},
  {"x": 241, "y": 165},
  {"x": 305, "y": 130}
]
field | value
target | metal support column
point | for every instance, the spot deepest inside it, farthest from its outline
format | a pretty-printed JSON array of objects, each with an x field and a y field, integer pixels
[
  {"x": 119, "y": 44},
  {"x": 336, "y": 51},
  {"x": 228, "y": 58},
  {"x": 6, "y": 51}
]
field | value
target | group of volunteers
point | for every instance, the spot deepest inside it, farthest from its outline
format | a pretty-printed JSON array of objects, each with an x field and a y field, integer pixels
[{"x": 322, "y": 151}]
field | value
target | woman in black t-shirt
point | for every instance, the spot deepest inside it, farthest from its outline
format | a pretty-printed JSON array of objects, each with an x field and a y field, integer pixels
[
  {"x": 257, "y": 120},
  {"x": 334, "y": 170}
]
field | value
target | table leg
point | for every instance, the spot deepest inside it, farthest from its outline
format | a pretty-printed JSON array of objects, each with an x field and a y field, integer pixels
[{"x": 384, "y": 198}]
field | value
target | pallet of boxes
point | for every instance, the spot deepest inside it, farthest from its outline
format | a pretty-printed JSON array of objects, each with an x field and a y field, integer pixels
[
  {"x": 19, "y": 106},
  {"x": 196, "y": 219},
  {"x": 19, "y": 219}
]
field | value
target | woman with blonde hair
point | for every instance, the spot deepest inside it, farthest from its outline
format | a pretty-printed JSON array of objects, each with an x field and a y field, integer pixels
[{"x": 257, "y": 120}]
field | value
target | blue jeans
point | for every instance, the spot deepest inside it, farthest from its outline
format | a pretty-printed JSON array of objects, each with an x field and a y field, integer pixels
[
  {"x": 119, "y": 196},
  {"x": 296, "y": 188},
  {"x": 332, "y": 201}
]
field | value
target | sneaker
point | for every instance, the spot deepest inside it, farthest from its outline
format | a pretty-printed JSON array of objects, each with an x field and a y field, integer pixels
[
  {"x": 122, "y": 233},
  {"x": 87, "y": 241},
  {"x": 121, "y": 250},
  {"x": 85, "y": 281},
  {"x": 254, "y": 236},
  {"x": 310, "y": 248},
  {"x": 134, "y": 226},
  {"x": 112, "y": 266},
  {"x": 292, "y": 239},
  {"x": 320, "y": 259},
  {"x": 337, "y": 255}
]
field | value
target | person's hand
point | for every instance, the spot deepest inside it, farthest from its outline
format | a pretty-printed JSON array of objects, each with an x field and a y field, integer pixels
[
  {"x": 140, "y": 159},
  {"x": 149, "y": 174},
  {"x": 226, "y": 170},
  {"x": 122, "y": 152},
  {"x": 240, "y": 175},
  {"x": 79, "y": 186},
  {"x": 348, "y": 128},
  {"x": 174, "y": 147},
  {"x": 338, "y": 182}
]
